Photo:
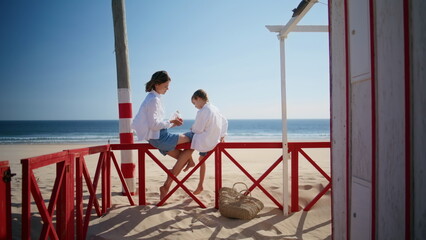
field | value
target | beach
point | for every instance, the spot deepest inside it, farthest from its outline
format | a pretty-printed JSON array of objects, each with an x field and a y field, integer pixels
[{"x": 181, "y": 217}]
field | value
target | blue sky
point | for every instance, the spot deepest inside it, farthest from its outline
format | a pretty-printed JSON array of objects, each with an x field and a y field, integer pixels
[{"x": 58, "y": 61}]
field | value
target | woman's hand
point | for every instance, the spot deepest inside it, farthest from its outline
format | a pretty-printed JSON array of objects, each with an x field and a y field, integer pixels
[{"x": 177, "y": 122}]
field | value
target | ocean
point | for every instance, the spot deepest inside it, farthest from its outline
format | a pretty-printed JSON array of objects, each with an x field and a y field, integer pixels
[{"x": 104, "y": 131}]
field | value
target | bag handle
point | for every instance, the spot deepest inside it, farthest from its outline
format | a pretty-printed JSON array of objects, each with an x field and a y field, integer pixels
[{"x": 244, "y": 190}]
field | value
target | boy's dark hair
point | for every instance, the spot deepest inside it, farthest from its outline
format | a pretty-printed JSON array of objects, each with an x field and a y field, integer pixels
[
  {"x": 200, "y": 93},
  {"x": 157, "y": 78}
]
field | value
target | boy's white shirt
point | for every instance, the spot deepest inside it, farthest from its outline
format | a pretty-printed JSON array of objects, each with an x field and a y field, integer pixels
[
  {"x": 150, "y": 118},
  {"x": 208, "y": 128}
]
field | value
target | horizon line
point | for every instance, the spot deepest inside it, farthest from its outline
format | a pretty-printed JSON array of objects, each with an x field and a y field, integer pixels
[{"x": 4, "y": 120}]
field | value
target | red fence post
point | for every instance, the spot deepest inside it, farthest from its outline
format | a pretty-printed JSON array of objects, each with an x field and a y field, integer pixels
[
  {"x": 5, "y": 201},
  {"x": 60, "y": 206},
  {"x": 65, "y": 208},
  {"x": 108, "y": 179},
  {"x": 295, "y": 179},
  {"x": 218, "y": 175},
  {"x": 65, "y": 205},
  {"x": 79, "y": 196},
  {"x": 26, "y": 199},
  {"x": 70, "y": 198},
  {"x": 103, "y": 183},
  {"x": 142, "y": 186}
]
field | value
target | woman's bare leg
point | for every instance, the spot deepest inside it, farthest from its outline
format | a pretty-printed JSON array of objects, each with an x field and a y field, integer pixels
[
  {"x": 177, "y": 168},
  {"x": 174, "y": 153},
  {"x": 202, "y": 176},
  {"x": 183, "y": 139}
]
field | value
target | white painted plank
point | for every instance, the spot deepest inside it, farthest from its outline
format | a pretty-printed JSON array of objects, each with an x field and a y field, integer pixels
[
  {"x": 361, "y": 209},
  {"x": 390, "y": 97},
  {"x": 359, "y": 38},
  {"x": 338, "y": 119},
  {"x": 418, "y": 35}
]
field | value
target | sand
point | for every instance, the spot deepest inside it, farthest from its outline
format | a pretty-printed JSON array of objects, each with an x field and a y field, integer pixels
[{"x": 181, "y": 217}]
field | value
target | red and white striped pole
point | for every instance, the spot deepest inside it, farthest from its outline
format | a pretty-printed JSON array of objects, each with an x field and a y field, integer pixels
[
  {"x": 126, "y": 136},
  {"x": 123, "y": 83}
]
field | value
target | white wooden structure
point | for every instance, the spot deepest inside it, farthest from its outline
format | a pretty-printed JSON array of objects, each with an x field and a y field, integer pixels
[
  {"x": 283, "y": 31},
  {"x": 378, "y": 110},
  {"x": 378, "y": 116}
]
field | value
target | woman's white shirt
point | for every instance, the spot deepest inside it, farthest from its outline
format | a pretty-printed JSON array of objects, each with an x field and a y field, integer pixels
[
  {"x": 150, "y": 118},
  {"x": 208, "y": 128}
]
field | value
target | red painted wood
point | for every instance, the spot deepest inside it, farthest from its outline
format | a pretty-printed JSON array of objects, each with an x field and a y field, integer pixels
[
  {"x": 91, "y": 189},
  {"x": 64, "y": 183},
  {"x": 218, "y": 174},
  {"x": 372, "y": 21},
  {"x": 38, "y": 199},
  {"x": 256, "y": 182},
  {"x": 187, "y": 177},
  {"x": 125, "y": 110},
  {"x": 123, "y": 182},
  {"x": 142, "y": 185},
  {"x": 93, "y": 197},
  {"x": 294, "y": 180},
  {"x": 126, "y": 137},
  {"x": 5, "y": 203},
  {"x": 62, "y": 198},
  {"x": 53, "y": 200},
  {"x": 407, "y": 86},
  {"x": 315, "y": 200},
  {"x": 265, "y": 174},
  {"x": 179, "y": 183},
  {"x": 26, "y": 200},
  {"x": 104, "y": 185},
  {"x": 315, "y": 165},
  {"x": 45, "y": 160},
  {"x": 128, "y": 170},
  {"x": 79, "y": 197},
  {"x": 347, "y": 80}
]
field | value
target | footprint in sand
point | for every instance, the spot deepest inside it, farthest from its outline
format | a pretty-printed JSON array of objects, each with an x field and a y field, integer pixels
[{"x": 306, "y": 187}]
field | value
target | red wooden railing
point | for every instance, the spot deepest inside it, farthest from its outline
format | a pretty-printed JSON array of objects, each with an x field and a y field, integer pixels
[
  {"x": 5, "y": 203},
  {"x": 103, "y": 169},
  {"x": 70, "y": 161},
  {"x": 62, "y": 197},
  {"x": 294, "y": 148}
]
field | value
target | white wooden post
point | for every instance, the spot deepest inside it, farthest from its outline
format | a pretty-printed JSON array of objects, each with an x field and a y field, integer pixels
[
  {"x": 283, "y": 31},
  {"x": 286, "y": 199}
]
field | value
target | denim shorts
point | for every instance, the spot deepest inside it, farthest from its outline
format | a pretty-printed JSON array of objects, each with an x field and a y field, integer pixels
[
  {"x": 166, "y": 142},
  {"x": 190, "y": 135}
]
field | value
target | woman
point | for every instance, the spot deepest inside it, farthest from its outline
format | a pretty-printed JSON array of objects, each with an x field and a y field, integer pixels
[{"x": 150, "y": 125}]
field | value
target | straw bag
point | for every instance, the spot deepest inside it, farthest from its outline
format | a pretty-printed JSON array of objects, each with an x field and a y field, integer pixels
[{"x": 234, "y": 204}]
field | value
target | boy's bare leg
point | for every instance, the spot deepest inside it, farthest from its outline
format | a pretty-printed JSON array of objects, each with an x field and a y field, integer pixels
[
  {"x": 182, "y": 159},
  {"x": 190, "y": 163},
  {"x": 202, "y": 176}
]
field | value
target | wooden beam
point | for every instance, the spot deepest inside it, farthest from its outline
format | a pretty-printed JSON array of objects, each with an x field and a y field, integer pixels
[
  {"x": 299, "y": 28},
  {"x": 291, "y": 24}
]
